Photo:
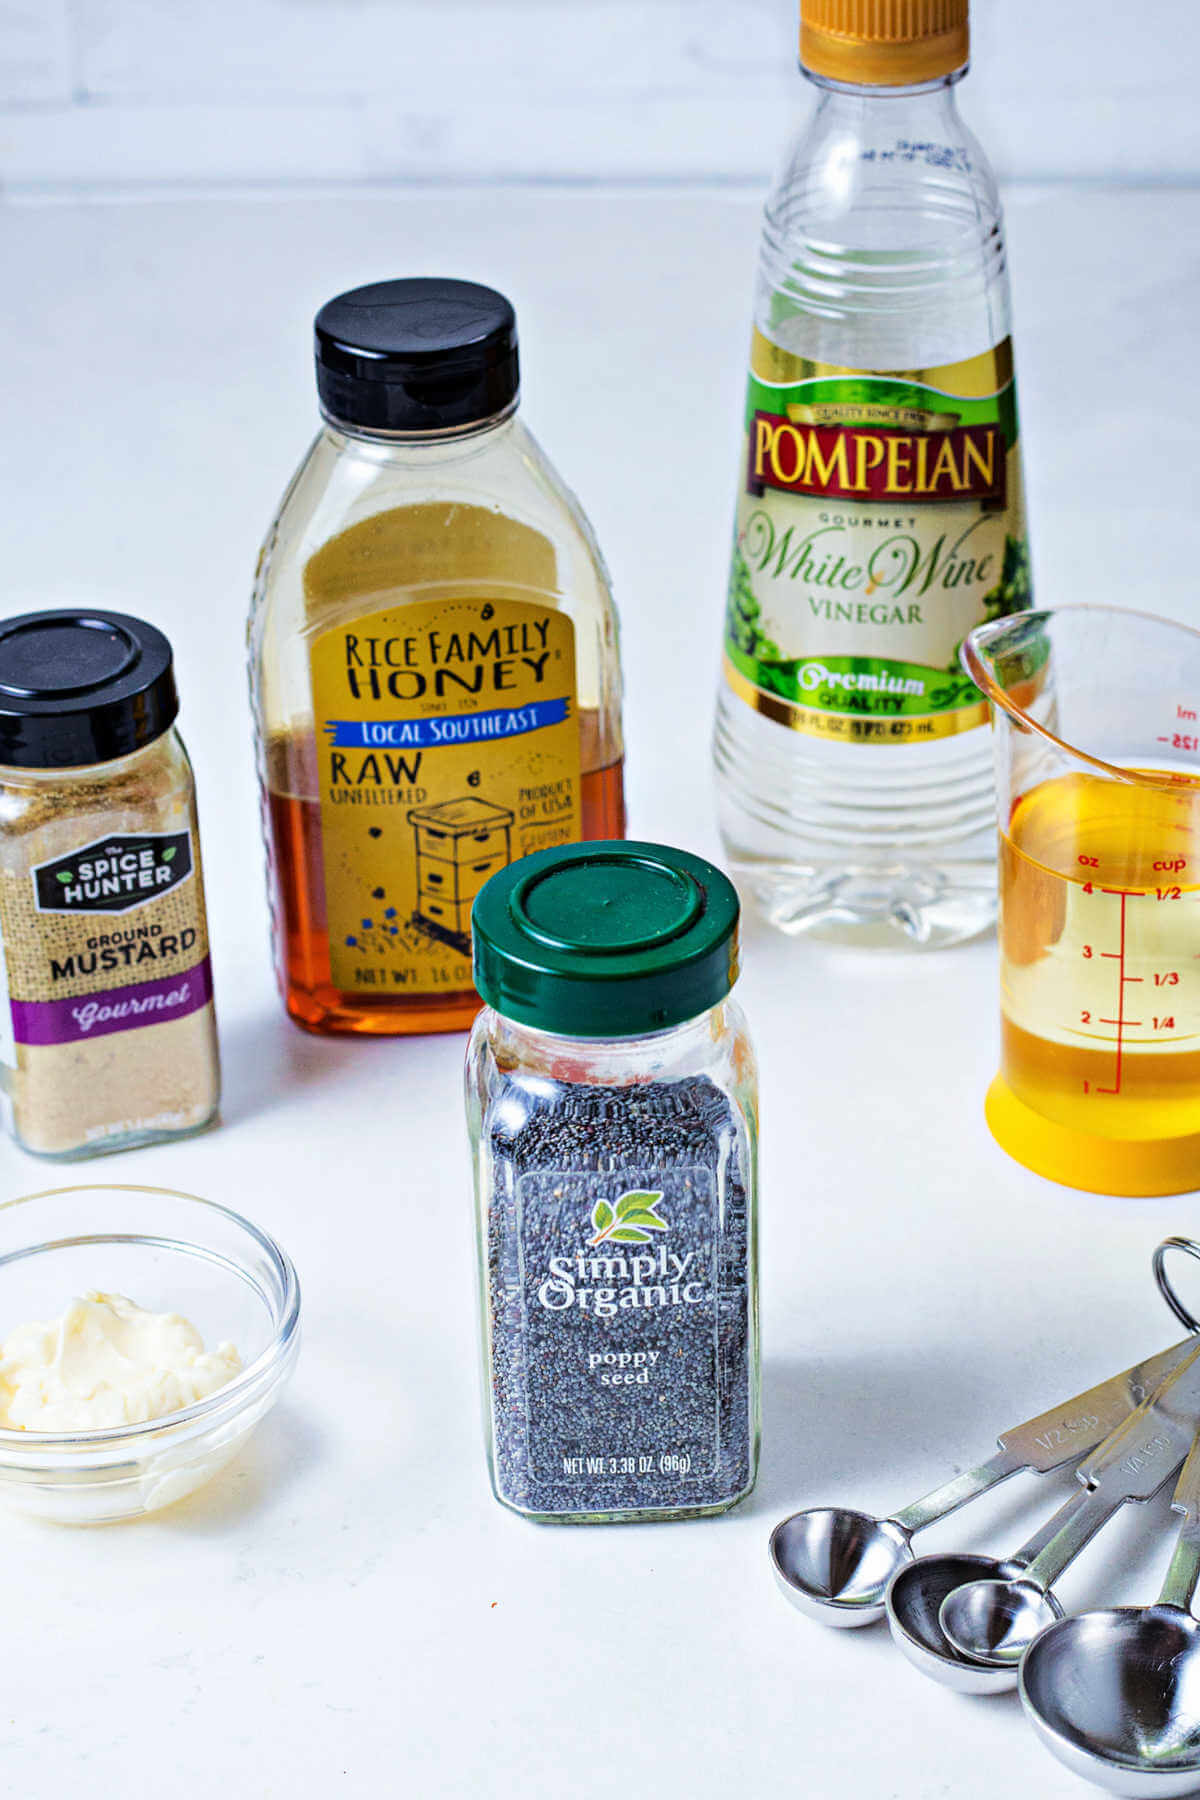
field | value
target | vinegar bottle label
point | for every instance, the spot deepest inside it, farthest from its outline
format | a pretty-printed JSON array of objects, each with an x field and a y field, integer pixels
[{"x": 879, "y": 520}]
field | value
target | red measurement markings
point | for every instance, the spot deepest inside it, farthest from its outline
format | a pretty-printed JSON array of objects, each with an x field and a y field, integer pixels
[
  {"x": 1118, "y": 956},
  {"x": 1167, "y": 978}
]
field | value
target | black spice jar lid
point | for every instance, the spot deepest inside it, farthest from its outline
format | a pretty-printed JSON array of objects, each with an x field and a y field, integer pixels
[
  {"x": 425, "y": 354},
  {"x": 80, "y": 687},
  {"x": 604, "y": 940}
]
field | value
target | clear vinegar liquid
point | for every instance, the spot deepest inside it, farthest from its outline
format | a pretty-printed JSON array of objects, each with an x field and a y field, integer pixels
[
  {"x": 882, "y": 250},
  {"x": 1100, "y": 967}
]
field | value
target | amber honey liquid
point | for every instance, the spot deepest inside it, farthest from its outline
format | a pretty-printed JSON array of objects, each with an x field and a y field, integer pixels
[
  {"x": 297, "y": 880},
  {"x": 1100, "y": 954}
]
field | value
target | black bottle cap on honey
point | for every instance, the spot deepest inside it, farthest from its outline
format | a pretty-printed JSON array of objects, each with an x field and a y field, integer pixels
[
  {"x": 80, "y": 687},
  {"x": 425, "y": 354}
]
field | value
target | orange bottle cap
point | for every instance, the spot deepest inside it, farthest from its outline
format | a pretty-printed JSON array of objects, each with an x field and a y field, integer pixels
[{"x": 884, "y": 43}]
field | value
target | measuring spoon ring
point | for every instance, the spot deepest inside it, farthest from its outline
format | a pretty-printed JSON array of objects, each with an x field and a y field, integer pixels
[
  {"x": 1190, "y": 1247},
  {"x": 835, "y": 1563},
  {"x": 1115, "y": 1694},
  {"x": 1005, "y": 1604}
]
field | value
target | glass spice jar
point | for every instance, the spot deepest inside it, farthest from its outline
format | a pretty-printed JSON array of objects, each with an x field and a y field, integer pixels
[
  {"x": 612, "y": 1105},
  {"x": 107, "y": 1032},
  {"x": 433, "y": 661}
]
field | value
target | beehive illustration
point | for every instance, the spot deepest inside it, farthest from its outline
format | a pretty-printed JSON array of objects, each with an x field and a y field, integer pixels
[{"x": 459, "y": 844}]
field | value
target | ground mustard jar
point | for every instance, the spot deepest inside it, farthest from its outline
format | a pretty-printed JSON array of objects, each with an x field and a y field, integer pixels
[
  {"x": 612, "y": 1103},
  {"x": 107, "y": 1032},
  {"x": 434, "y": 662}
]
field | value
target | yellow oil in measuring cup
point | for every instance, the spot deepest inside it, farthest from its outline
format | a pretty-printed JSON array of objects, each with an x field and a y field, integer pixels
[{"x": 1100, "y": 982}]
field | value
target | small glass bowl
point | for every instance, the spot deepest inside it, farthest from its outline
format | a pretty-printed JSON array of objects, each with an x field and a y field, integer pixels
[{"x": 168, "y": 1252}]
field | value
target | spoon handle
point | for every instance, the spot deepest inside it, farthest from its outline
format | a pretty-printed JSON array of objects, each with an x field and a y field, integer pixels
[
  {"x": 1052, "y": 1439},
  {"x": 1183, "y": 1575},
  {"x": 1132, "y": 1463},
  {"x": 1132, "y": 1460},
  {"x": 1050, "y": 1550}
]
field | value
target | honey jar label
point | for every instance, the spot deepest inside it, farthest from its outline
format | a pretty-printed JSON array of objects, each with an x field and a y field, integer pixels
[
  {"x": 447, "y": 739},
  {"x": 879, "y": 519},
  {"x": 105, "y": 937}
]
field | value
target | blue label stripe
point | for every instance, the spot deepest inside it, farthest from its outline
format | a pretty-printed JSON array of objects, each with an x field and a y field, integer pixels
[{"x": 462, "y": 728}]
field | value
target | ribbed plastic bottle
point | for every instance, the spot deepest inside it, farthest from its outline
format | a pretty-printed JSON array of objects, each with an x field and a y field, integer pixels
[{"x": 879, "y": 511}]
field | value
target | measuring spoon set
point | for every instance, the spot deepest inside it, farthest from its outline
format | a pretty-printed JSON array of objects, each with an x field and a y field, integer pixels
[{"x": 1115, "y": 1695}]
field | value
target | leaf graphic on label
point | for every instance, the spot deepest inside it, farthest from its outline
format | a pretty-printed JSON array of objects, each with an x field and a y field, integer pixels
[
  {"x": 633, "y": 1220},
  {"x": 637, "y": 1208},
  {"x": 65, "y": 876},
  {"x": 635, "y": 1201},
  {"x": 169, "y": 854}
]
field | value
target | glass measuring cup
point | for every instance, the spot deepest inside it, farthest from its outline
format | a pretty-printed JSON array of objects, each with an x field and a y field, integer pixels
[{"x": 1097, "y": 738}]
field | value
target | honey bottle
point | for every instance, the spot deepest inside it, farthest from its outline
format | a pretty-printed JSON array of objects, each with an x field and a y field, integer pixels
[{"x": 434, "y": 665}]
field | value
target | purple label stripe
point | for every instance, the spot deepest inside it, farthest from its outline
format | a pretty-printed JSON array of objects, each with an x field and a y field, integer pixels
[{"x": 117, "y": 1009}]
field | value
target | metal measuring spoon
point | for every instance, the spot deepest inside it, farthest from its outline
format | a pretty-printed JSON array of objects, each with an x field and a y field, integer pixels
[
  {"x": 835, "y": 1564},
  {"x": 1131, "y": 1464},
  {"x": 1115, "y": 1695},
  {"x": 995, "y": 1621}
]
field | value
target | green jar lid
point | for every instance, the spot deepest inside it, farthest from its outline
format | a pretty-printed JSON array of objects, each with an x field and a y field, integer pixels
[{"x": 607, "y": 939}]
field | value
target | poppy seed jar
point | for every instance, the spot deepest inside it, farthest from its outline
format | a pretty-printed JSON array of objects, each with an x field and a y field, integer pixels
[{"x": 612, "y": 1104}]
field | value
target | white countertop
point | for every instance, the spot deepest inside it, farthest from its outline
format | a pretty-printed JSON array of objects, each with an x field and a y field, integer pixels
[{"x": 347, "y": 1611}]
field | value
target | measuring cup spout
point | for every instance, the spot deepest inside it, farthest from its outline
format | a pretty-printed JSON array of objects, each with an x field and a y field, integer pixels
[{"x": 1096, "y": 715}]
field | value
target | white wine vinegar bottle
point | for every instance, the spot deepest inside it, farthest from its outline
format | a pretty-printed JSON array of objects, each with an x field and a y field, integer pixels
[{"x": 879, "y": 512}]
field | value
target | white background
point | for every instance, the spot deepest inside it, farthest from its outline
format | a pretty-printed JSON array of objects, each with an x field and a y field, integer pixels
[
  {"x": 154, "y": 91},
  {"x": 348, "y": 1611}
]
